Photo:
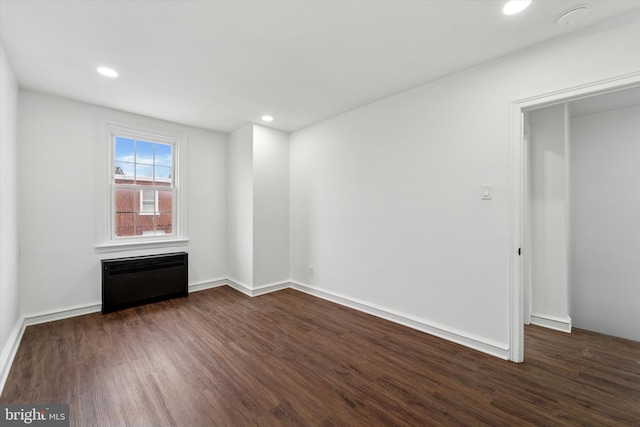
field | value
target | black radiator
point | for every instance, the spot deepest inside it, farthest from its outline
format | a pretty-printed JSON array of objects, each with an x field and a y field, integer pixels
[{"x": 128, "y": 282}]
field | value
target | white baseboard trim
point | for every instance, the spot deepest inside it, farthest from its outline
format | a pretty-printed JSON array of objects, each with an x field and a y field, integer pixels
[
  {"x": 270, "y": 287},
  {"x": 475, "y": 342},
  {"x": 9, "y": 351},
  {"x": 79, "y": 310},
  {"x": 239, "y": 286},
  {"x": 206, "y": 284},
  {"x": 562, "y": 324},
  {"x": 64, "y": 313},
  {"x": 494, "y": 348},
  {"x": 254, "y": 291}
]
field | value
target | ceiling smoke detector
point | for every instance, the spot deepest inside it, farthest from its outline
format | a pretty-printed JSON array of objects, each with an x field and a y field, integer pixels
[{"x": 573, "y": 15}]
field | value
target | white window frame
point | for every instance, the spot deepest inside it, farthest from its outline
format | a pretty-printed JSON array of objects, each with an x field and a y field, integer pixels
[{"x": 107, "y": 241}]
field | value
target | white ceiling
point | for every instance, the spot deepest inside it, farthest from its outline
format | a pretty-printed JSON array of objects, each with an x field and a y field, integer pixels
[{"x": 222, "y": 64}]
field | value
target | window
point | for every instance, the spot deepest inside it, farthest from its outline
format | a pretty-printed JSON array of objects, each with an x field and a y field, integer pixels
[
  {"x": 144, "y": 189},
  {"x": 142, "y": 176}
]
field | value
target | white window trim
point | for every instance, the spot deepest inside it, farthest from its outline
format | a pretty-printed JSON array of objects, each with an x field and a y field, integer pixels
[{"x": 105, "y": 221}]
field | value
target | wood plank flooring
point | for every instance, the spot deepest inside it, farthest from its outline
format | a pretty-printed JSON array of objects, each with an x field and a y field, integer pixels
[{"x": 219, "y": 358}]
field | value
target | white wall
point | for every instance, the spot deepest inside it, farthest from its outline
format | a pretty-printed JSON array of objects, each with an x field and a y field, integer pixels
[
  {"x": 605, "y": 222},
  {"x": 548, "y": 209},
  {"x": 240, "y": 206},
  {"x": 271, "y": 206},
  {"x": 58, "y": 151},
  {"x": 9, "y": 249},
  {"x": 385, "y": 199}
]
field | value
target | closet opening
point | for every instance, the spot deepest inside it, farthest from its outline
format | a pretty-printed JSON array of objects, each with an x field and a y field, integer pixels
[{"x": 575, "y": 194}]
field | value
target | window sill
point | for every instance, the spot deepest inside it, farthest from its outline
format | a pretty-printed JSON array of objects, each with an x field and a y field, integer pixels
[{"x": 132, "y": 246}]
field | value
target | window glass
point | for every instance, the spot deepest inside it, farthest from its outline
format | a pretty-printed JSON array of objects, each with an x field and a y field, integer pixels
[{"x": 142, "y": 187}]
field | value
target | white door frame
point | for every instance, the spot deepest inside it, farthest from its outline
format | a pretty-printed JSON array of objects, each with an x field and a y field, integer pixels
[
  {"x": 517, "y": 185},
  {"x": 525, "y": 258}
]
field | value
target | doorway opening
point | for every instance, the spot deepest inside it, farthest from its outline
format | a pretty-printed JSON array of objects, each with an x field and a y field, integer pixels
[{"x": 521, "y": 216}]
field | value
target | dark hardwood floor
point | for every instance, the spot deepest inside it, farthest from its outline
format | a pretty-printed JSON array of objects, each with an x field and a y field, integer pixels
[{"x": 286, "y": 358}]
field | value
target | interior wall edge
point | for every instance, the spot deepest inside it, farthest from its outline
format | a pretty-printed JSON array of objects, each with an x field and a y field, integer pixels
[{"x": 10, "y": 292}]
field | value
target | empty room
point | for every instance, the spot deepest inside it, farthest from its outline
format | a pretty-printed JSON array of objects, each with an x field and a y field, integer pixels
[{"x": 316, "y": 212}]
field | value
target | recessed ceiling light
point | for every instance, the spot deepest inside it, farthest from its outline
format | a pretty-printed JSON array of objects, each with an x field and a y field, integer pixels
[
  {"x": 267, "y": 118},
  {"x": 108, "y": 72},
  {"x": 515, "y": 6}
]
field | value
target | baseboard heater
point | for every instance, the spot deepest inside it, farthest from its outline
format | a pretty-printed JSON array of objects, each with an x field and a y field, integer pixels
[{"x": 129, "y": 282}]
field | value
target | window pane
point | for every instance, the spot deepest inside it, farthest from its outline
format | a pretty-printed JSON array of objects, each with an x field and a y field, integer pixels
[
  {"x": 148, "y": 201},
  {"x": 125, "y": 223},
  {"x": 165, "y": 200},
  {"x": 146, "y": 228},
  {"x": 163, "y": 155},
  {"x": 124, "y": 172},
  {"x": 163, "y": 175},
  {"x": 144, "y": 174},
  {"x": 164, "y": 221},
  {"x": 144, "y": 152},
  {"x": 125, "y": 200},
  {"x": 147, "y": 207},
  {"x": 124, "y": 150}
]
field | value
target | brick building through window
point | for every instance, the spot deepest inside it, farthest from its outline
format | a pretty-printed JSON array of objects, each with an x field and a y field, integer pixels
[{"x": 142, "y": 212}]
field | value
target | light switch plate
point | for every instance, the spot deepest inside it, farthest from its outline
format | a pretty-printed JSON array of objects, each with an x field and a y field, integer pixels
[{"x": 487, "y": 192}]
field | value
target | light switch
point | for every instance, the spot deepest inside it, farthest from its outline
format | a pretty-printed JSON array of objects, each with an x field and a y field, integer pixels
[{"x": 487, "y": 192}]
